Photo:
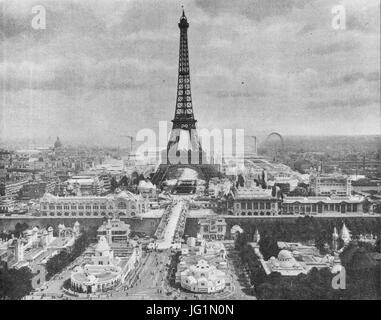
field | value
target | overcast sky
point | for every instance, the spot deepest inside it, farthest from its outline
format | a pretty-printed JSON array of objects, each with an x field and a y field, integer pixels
[{"x": 102, "y": 69}]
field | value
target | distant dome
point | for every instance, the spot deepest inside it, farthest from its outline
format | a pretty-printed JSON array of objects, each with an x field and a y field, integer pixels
[
  {"x": 76, "y": 224},
  {"x": 35, "y": 229},
  {"x": 58, "y": 143}
]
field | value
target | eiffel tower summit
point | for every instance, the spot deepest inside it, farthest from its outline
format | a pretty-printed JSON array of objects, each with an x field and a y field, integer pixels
[{"x": 184, "y": 158}]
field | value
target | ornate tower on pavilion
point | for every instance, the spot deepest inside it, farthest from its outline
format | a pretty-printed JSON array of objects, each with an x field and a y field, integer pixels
[
  {"x": 335, "y": 239},
  {"x": 184, "y": 146}
]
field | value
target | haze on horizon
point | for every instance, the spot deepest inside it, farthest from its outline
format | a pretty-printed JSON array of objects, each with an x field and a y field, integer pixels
[{"x": 104, "y": 68}]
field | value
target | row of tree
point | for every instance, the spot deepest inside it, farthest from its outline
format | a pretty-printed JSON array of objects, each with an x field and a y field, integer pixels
[
  {"x": 15, "y": 283},
  {"x": 61, "y": 260}
]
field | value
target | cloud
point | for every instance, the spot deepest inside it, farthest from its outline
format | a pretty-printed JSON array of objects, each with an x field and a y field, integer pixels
[
  {"x": 11, "y": 27},
  {"x": 354, "y": 77},
  {"x": 364, "y": 18},
  {"x": 349, "y": 103},
  {"x": 334, "y": 47},
  {"x": 252, "y": 9},
  {"x": 307, "y": 29},
  {"x": 83, "y": 73}
]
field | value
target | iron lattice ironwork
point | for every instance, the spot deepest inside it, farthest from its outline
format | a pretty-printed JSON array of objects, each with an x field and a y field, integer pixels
[{"x": 184, "y": 117}]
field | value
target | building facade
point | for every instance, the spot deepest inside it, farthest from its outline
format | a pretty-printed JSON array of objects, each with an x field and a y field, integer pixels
[
  {"x": 5, "y": 162},
  {"x": 124, "y": 204},
  {"x": 328, "y": 185},
  {"x": 11, "y": 189},
  {"x": 85, "y": 185},
  {"x": 324, "y": 205},
  {"x": 36, "y": 189},
  {"x": 115, "y": 231},
  {"x": 253, "y": 201},
  {"x": 366, "y": 185},
  {"x": 6, "y": 205},
  {"x": 212, "y": 228}
]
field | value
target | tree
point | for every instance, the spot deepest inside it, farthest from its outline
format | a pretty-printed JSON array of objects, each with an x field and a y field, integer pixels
[
  {"x": 240, "y": 241},
  {"x": 298, "y": 192},
  {"x": 134, "y": 178},
  {"x": 378, "y": 245},
  {"x": 140, "y": 178},
  {"x": 268, "y": 246},
  {"x": 114, "y": 184},
  {"x": 265, "y": 291},
  {"x": 67, "y": 284},
  {"x": 240, "y": 181},
  {"x": 303, "y": 185},
  {"x": 362, "y": 272},
  {"x": 321, "y": 240},
  {"x": 20, "y": 228},
  {"x": 15, "y": 283},
  {"x": 58, "y": 262},
  {"x": 123, "y": 182},
  {"x": 273, "y": 191}
]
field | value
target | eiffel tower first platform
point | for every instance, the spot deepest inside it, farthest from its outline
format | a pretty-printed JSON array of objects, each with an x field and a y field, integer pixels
[{"x": 184, "y": 149}]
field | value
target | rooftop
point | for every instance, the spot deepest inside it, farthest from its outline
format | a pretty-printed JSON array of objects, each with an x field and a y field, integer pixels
[{"x": 346, "y": 199}]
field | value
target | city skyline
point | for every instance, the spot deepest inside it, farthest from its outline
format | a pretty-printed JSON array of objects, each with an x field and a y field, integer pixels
[{"x": 100, "y": 70}]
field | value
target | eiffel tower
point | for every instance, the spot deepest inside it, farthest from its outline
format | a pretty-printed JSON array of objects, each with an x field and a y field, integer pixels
[{"x": 184, "y": 145}]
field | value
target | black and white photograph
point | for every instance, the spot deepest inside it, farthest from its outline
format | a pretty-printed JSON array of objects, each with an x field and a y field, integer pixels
[{"x": 200, "y": 152}]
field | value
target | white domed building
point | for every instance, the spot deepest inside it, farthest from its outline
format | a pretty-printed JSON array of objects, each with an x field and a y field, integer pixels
[
  {"x": 203, "y": 278},
  {"x": 105, "y": 272},
  {"x": 285, "y": 264}
]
